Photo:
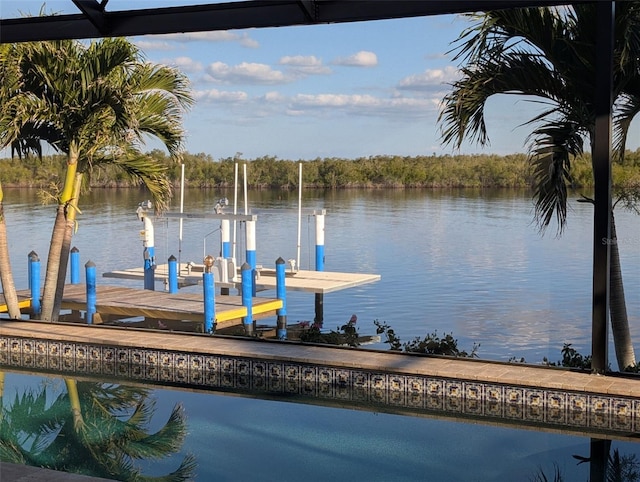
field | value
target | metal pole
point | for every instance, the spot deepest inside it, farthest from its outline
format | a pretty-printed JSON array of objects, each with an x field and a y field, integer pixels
[
  {"x": 299, "y": 212},
  {"x": 601, "y": 152},
  {"x": 235, "y": 209},
  {"x": 181, "y": 211}
]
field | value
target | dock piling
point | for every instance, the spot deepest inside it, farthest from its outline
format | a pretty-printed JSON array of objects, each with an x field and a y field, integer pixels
[
  {"x": 319, "y": 298},
  {"x": 34, "y": 282},
  {"x": 75, "y": 266},
  {"x": 173, "y": 274},
  {"x": 90, "y": 275},
  {"x": 148, "y": 242},
  {"x": 251, "y": 252},
  {"x": 247, "y": 297},
  {"x": 29, "y": 260},
  {"x": 225, "y": 241},
  {"x": 281, "y": 294},
  {"x": 208, "y": 284}
]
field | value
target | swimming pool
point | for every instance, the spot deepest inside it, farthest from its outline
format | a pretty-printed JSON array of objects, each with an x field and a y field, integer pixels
[{"x": 239, "y": 436}]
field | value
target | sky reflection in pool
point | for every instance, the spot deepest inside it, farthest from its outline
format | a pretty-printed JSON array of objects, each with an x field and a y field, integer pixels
[{"x": 238, "y": 438}]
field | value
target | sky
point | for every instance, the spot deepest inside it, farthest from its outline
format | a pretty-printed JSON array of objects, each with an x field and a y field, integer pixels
[{"x": 342, "y": 90}]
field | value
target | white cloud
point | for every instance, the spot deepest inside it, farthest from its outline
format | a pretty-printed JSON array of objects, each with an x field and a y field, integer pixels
[
  {"x": 248, "y": 42},
  {"x": 185, "y": 64},
  {"x": 274, "y": 97},
  {"x": 301, "y": 65},
  {"x": 430, "y": 79},
  {"x": 300, "y": 60},
  {"x": 154, "y": 45},
  {"x": 359, "y": 59},
  {"x": 245, "y": 72},
  {"x": 214, "y": 36},
  {"x": 220, "y": 96},
  {"x": 366, "y": 105}
]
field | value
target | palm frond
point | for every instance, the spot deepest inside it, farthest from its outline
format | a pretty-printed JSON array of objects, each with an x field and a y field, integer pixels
[
  {"x": 552, "y": 147},
  {"x": 463, "y": 113},
  {"x": 162, "y": 78},
  {"x": 165, "y": 441},
  {"x": 626, "y": 108},
  {"x": 149, "y": 172}
]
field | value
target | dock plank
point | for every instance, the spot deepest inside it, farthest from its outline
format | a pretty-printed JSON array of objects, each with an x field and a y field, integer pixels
[
  {"x": 131, "y": 303},
  {"x": 320, "y": 282}
]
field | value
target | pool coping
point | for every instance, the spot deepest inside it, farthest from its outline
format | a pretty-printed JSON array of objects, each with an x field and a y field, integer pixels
[{"x": 514, "y": 392}]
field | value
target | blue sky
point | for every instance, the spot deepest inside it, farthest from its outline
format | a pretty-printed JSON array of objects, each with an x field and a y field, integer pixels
[{"x": 342, "y": 90}]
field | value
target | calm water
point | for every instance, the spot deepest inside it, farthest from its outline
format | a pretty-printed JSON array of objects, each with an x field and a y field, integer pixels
[
  {"x": 466, "y": 262},
  {"x": 238, "y": 439}
]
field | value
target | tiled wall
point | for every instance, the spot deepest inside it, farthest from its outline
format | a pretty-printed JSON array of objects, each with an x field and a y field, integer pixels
[{"x": 388, "y": 391}]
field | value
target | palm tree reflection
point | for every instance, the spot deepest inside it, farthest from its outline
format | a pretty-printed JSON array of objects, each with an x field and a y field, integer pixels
[
  {"x": 92, "y": 428},
  {"x": 604, "y": 466}
]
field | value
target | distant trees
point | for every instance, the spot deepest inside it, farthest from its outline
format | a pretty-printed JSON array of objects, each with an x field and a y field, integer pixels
[{"x": 384, "y": 171}]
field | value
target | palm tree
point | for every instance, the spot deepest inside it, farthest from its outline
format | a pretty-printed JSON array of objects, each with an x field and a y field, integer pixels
[
  {"x": 549, "y": 53},
  {"x": 6, "y": 275},
  {"x": 9, "y": 76},
  {"x": 96, "y": 104}
]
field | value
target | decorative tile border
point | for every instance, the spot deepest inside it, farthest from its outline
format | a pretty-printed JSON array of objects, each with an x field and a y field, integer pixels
[{"x": 420, "y": 394}]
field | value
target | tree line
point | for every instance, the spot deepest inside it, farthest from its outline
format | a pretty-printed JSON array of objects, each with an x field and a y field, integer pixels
[{"x": 382, "y": 171}]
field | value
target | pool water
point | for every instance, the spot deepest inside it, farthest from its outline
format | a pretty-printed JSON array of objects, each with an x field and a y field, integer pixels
[{"x": 237, "y": 438}]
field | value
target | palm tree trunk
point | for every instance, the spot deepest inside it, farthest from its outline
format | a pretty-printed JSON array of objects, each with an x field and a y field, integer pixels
[
  {"x": 53, "y": 263},
  {"x": 72, "y": 210},
  {"x": 74, "y": 401},
  {"x": 57, "y": 239},
  {"x": 6, "y": 275},
  {"x": 618, "y": 309}
]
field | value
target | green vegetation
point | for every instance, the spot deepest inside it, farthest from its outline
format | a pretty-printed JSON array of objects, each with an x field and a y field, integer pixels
[
  {"x": 347, "y": 334},
  {"x": 571, "y": 359},
  {"x": 268, "y": 172},
  {"x": 431, "y": 344}
]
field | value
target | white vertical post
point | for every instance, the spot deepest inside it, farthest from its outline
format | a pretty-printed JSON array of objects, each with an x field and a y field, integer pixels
[
  {"x": 224, "y": 238},
  {"x": 181, "y": 211},
  {"x": 235, "y": 207},
  {"x": 299, "y": 212},
  {"x": 320, "y": 241},
  {"x": 246, "y": 207},
  {"x": 251, "y": 243}
]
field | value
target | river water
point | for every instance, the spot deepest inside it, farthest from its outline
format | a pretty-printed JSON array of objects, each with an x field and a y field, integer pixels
[{"x": 465, "y": 262}]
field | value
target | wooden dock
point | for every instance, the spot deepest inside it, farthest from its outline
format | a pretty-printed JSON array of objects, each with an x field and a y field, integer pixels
[
  {"x": 24, "y": 302},
  {"x": 321, "y": 282},
  {"x": 116, "y": 302}
]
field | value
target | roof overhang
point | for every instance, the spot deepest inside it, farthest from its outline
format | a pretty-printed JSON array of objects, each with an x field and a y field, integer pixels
[{"x": 95, "y": 21}]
